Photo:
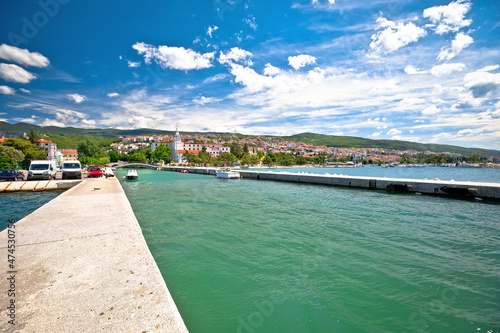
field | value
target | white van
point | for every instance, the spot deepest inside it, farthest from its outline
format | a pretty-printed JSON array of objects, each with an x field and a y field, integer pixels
[
  {"x": 42, "y": 170},
  {"x": 71, "y": 169}
]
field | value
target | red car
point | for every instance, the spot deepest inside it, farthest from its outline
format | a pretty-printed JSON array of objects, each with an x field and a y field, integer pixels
[{"x": 94, "y": 172}]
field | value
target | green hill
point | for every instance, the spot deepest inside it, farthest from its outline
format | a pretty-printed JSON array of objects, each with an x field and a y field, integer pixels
[
  {"x": 68, "y": 135},
  {"x": 357, "y": 142}
]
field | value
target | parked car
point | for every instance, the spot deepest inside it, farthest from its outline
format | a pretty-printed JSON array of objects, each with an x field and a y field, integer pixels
[
  {"x": 11, "y": 174},
  {"x": 42, "y": 169},
  {"x": 71, "y": 169},
  {"x": 94, "y": 172}
]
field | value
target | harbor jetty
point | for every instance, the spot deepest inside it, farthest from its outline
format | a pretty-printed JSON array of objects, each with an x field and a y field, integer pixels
[
  {"x": 82, "y": 265},
  {"x": 37, "y": 186},
  {"x": 450, "y": 188}
]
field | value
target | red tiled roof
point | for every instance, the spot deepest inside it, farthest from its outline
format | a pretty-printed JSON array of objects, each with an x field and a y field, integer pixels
[
  {"x": 69, "y": 151},
  {"x": 44, "y": 141}
]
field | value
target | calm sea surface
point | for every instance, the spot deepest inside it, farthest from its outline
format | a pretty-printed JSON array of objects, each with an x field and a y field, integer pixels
[
  {"x": 20, "y": 204},
  {"x": 260, "y": 256}
]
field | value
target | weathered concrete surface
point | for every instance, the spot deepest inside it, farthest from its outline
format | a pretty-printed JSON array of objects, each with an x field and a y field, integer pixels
[
  {"x": 436, "y": 187},
  {"x": 83, "y": 266},
  {"x": 40, "y": 185}
]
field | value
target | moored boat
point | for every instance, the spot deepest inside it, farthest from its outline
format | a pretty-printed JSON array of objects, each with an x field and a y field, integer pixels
[
  {"x": 227, "y": 173},
  {"x": 131, "y": 174}
]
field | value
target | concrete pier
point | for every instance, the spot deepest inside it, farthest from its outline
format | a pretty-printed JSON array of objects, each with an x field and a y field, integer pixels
[
  {"x": 37, "y": 186},
  {"x": 82, "y": 265},
  {"x": 435, "y": 186}
]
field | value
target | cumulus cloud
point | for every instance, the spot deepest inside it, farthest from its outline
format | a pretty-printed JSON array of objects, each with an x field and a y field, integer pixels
[
  {"x": 482, "y": 83},
  {"x": 446, "y": 69},
  {"x": 4, "y": 90},
  {"x": 301, "y": 60},
  {"x": 270, "y": 70},
  {"x": 450, "y": 17},
  {"x": 22, "y": 56},
  {"x": 133, "y": 64},
  {"x": 394, "y": 36},
  {"x": 412, "y": 70},
  {"x": 211, "y": 29},
  {"x": 216, "y": 77},
  {"x": 26, "y": 91},
  {"x": 174, "y": 57},
  {"x": 431, "y": 110},
  {"x": 77, "y": 98},
  {"x": 460, "y": 42},
  {"x": 14, "y": 73},
  {"x": 142, "y": 122},
  {"x": 235, "y": 55},
  {"x": 113, "y": 94},
  {"x": 394, "y": 131},
  {"x": 52, "y": 122}
]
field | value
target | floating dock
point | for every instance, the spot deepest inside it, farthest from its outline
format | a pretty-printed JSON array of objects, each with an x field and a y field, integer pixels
[{"x": 82, "y": 265}]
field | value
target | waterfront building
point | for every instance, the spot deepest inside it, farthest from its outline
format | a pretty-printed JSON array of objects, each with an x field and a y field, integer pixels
[
  {"x": 177, "y": 147},
  {"x": 66, "y": 154},
  {"x": 50, "y": 148}
]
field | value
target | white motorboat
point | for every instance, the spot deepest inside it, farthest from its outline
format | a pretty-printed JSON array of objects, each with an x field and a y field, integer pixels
[
  {"x": 227, "y": 173},
  {"x": 131, "y": 175}
]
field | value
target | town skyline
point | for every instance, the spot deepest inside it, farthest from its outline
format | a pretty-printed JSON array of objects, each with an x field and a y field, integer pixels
[{"x": 416, "y": 71}]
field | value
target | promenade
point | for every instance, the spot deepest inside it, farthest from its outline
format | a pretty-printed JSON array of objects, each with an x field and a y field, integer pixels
[{"x": 82, "y": 265}]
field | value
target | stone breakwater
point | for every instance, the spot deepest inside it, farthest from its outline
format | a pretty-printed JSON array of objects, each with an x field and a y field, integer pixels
[
  {"x": 82, "y": 265},
  {"x": 37, "y": 186}
]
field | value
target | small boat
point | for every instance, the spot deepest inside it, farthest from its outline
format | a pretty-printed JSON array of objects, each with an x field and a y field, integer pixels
[
  {"x": 227, "y": 173},
  {"x": 131, "y": 175}
]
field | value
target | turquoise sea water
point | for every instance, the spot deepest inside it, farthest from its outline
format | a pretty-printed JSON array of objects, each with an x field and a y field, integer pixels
[
  {"x": 443, "y": 173},
  {"x": 20, "y": 204},
  {"x": 260, "y": 256}
]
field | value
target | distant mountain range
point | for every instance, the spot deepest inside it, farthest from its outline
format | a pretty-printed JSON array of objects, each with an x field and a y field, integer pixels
[{"x": 9, "y": 129}]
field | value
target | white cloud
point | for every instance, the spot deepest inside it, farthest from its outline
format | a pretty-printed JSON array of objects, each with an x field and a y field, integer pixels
[
  {"x": 211, "y": 29},
  {"x": 77, "y": 98},
  {"x": 142, "y": 122},
  {"x": 301, "y": 60},
  {"x": 450, "y": 17},
  {"x": 216, "y": 77},
  {"x": 235, "y": 55},
  {"x": 375, "y": 134},
  {"x": 446, "y": 69},
  {"x": 431, "y": 110},
  {"x": 26, "y": 91},
  {"x": 202, "y": 100},
  {"x": 465, "y": 132},
  {"x": 133, "y": 64},
  {"x": 88, "y": 123},
  {"x": 394, "y": 131},
  {"x": 460, "y": 42},
  {"x": 251, "y": 22},
  {"x": 113, "y": 94},
  {"x": 394, "y": 36},
  {"x": 4, "y": 90},
  {"x": 22, "y": 56},
  {"x": 52, "y": 122},
  {"x": 14, "y": 73},
  {"x": 270, "y": 70},
  {"x": 412, "y": 70},
  {"x": 488, "y": 68},
  {"x": 482, "y": 83},
  {"x": 174, "y": 57}
]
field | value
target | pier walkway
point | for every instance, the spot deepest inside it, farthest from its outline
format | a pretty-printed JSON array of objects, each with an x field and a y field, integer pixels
[{"x": 82, "y": 265}]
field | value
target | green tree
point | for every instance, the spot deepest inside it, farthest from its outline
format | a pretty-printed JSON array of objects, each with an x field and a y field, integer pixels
[
  {"x": 33, "y": 137},
  {"x": 13, "y": 153},
  {"x": 254, "y": 159},
  {"x": 115, "y": 156},
  {"x": 260, "y": 154},
  {"x": 268, "y": 160},
  {"x": 245, "y": 149},
  {"x": 245, "y": 159},
  {"x": 474, "y": 157},
  {"x": 138, "y": 156},
  {"x": 301, "y": 160},
  {"x": 161, "y": 153},
  {"x": 226, "y": 159},
  {"x": 89, "y": 149},
  {"x": 236, "y": 149},
  {"x": 7, "y": 163}
]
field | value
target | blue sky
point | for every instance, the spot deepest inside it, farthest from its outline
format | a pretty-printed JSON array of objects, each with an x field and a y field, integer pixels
[{"x": 425, "y": 71}]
